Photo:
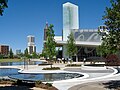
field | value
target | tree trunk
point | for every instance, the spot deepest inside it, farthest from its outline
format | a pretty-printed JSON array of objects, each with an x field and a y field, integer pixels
[
  {"x": 50, "y": 62},
  {"x": 51, "y": 65}
]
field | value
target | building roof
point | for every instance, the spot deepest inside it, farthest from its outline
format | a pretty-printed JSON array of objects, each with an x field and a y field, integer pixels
[
  {"x": 30, "y": 36},
  {"x": 80, "y": 43},
  {"x": 69, "y": 4}
]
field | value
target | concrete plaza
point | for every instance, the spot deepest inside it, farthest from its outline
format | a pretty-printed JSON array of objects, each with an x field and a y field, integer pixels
[{"x": 92, "y": 76}]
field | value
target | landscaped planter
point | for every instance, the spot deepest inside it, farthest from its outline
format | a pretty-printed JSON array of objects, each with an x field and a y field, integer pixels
[{"x": 93, "y": 68}]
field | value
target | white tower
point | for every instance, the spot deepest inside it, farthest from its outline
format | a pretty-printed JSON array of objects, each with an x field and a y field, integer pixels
[
  {"x": 70, "y": 22},
  {"x": 70, "y": 19},
  {"x": 31, "y": 44}
]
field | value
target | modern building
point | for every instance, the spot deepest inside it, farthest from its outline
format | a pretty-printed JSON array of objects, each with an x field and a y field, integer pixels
[
  {"x": 18, "y": 51},
  {"x": 31, "y": 44},
  {"x": 86, "y": 40},
  {"x": 4, "y": 49}
]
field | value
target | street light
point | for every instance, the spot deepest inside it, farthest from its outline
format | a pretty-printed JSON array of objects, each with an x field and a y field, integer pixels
[{"x": 24, "y": 62}]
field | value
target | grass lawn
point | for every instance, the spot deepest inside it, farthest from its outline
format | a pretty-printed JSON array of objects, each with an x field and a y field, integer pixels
[{"x": 10, "y": 60}]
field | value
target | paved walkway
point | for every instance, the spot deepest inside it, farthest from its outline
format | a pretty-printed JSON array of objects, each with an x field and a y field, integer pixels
[
  {"x": 106, "y": 84},
  {"x": 91, "y": 73},
  {"x": 90, "y": 86},
  {"x": 94, "y": 75}
]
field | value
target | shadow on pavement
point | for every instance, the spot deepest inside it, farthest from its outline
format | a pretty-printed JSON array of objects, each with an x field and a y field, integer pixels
[
  {"x": 14, "y": 88},
  {"x": 112, "y": 84}
]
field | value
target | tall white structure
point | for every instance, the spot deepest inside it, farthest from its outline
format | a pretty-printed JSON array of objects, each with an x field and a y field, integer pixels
[
  {"x": 86, "y": 40},
  {"x": 70, "y": 22},
  {"x": 31, "y": 44},
  {"x": 70, "y": 19}
]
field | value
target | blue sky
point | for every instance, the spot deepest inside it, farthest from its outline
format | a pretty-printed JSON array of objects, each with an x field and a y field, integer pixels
[{"x": 28, "y": 17}]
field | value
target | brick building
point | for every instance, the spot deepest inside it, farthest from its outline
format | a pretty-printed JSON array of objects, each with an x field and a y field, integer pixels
[{"x": 4, "y": 49}]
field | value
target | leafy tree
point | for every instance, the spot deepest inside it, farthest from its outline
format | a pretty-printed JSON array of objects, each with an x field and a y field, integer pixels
[
  {"x": 50, "y": 44},
  {"x": 101, "y": 51},
  {"x": 1, "y": 56},
  {"x": 3, "y": 5},
  {"x": 11, "y": 53},
  {"x": 34, "y": 55},
  {"x": 26, "y": 52},
  {"x": 112, "y": 60},
  {"x": 111, "y": 38},
  {"x": 71, "y": 47},
  {"x": 44, "y": 54},
  {"x": 20, "y": 55}
]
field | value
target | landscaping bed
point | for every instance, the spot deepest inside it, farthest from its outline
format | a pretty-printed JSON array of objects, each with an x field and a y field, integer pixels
[
  {"x": 10, "y": 60},
  {"x": 5, "y": 81},
  {"x": 43, "y": 64},
  {"x": 20, "y": 83},
  {"x": 73, "y": 65},
  {"x": 53, "y": 68}
]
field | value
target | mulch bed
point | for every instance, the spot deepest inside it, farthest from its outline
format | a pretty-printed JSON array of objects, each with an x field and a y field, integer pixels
[{"x": 19, "y": 85}]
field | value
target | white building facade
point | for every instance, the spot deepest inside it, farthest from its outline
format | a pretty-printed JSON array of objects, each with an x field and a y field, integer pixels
[
  {"x": 70, "y": 19},
  {"x": 31, "y": 44}
]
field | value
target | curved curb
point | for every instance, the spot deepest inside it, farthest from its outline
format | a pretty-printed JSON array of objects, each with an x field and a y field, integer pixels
[
  {"x": 73, "y": 79},
  {"x": 59, "y": 71}
]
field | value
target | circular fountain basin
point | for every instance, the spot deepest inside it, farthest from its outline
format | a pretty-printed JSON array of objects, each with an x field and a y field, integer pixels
[{"x": 46, "y": 77}]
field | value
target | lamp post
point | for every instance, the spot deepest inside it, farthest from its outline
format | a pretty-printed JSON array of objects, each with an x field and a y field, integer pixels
[
  {"x": 84, "y": 60},
  {"x": 24, "y": 63}
]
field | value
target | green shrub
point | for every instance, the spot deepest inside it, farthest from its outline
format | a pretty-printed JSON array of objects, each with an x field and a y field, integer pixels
[
  {"x": 43, "y": 64},
  {"x": 49, "y": 84},
  {"x": 53, "y": 68},
  {"x": 38, "y": 82},
  {"x": 71, "y": 61},
  {"x": 19, "y": 82}
]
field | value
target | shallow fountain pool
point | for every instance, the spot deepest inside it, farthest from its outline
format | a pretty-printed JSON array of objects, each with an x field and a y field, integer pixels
[
  {"x": 46, "y": 76},
  {"x": 13, "y": 74},
  {"x": 20, "y": 63},
  {"x": 8, "y": 71}
]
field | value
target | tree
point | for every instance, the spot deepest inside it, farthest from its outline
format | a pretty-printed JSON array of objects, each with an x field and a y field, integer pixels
[
  {"x": 101, "y": 51},
  {"x": 3, "y": 5},
  {"x": 20, "y": 55},
  {"x": 43, "y": 53},
  {"x": 1, "y": 56},
  {"x": 71, "y": 47},
  {"x": 111, "y": 39},
  {"x": 50, "y": 44},
  {"x": 34, "y": 55},
  {"x": 11, "y": 53},
  {"x": 26, "y": 52}
]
